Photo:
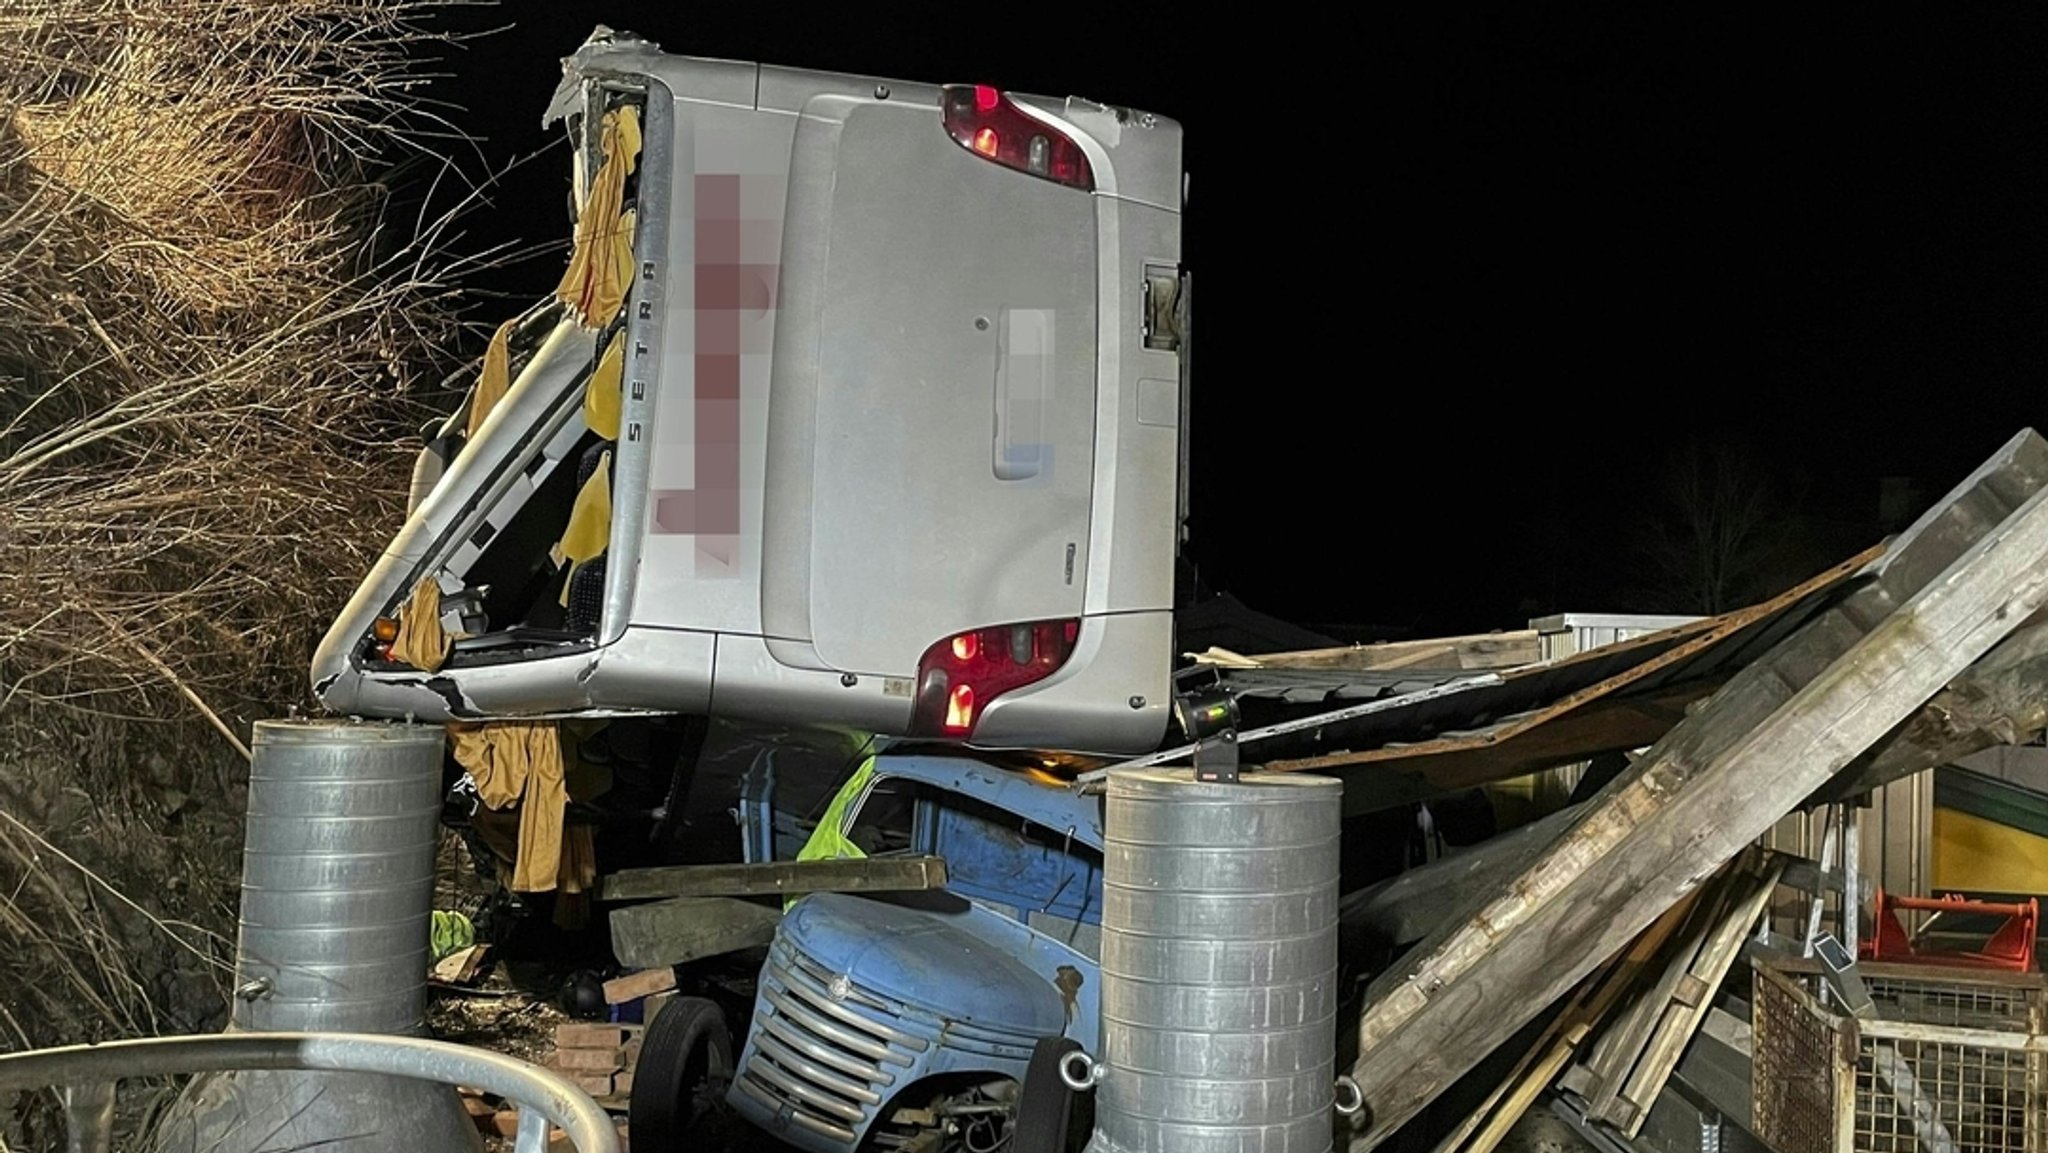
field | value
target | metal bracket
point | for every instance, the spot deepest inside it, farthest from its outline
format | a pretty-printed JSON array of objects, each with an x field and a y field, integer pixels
[
  {"x": 1844, "y": 981},
  {"x": 1210, "y": 719},
  {"x": 1216, "y": 759}
]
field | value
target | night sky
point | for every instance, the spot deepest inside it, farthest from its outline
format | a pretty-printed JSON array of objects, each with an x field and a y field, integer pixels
[{"x": 1474, "y": 291}]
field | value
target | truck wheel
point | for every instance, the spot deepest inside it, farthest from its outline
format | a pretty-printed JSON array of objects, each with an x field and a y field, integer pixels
[
  {"x": 685, "y": 1064},
  {"x": 1051, "y": 1118}
]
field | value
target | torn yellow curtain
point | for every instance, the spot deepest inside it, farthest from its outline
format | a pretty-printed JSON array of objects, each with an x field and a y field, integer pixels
[
  {"x": 590, "y": 522},
  {"x": 601, "y": 397},
  {"x": 493, "y": 381},
  {"x": 579, "y": 846},
  {"x": 600, "y": 268},
  {"x": 579, "y": 860},
  {"x": 579, "y": 877},
  {"x": 421, "y": 642},
  {"x": 520, "y": 762}
]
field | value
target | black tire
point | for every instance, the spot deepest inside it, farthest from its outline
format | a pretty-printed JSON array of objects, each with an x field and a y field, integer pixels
[
  {"x": 1051, "y": 1118},
  {"x": 685, "y": 1064}
]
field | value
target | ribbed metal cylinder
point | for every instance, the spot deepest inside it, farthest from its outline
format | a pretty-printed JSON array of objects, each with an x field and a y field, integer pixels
[
  {"x": 1219, "y": 964},
  {"x": 338, "y": 876},
  {"x": 337, "y": 908}
]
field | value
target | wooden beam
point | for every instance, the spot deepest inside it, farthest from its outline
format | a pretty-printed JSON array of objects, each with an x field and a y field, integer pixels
[
  {"x": 776, "y": 878},
  {"x": 633, "y": 986},
  {"x": 1952, "y": 587},
  {"x": 2000, "y": 700},
  {"x": 1479, "y": 651},
  {"x": 689, "y": 928}
]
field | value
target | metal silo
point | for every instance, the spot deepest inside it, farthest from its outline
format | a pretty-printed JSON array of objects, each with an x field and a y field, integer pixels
[
  {"x": 337, "y": 901},
  {"x": 1219, "y": 965}
]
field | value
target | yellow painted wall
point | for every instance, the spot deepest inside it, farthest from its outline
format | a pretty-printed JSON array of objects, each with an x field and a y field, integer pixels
[
  {"x": 1984, "y": 856},
  {"x": 1520, "y": 800}
]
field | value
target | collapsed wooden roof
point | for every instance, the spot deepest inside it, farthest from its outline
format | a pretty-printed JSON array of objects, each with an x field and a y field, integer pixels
[
  {"x": 1459, "y": 712},
  {"x": 1510, "y": 719}
]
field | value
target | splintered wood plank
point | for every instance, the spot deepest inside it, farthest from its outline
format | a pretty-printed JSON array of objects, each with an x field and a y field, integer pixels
[
  {"x": 1948, "y": 590},
  {"x": 1683, "y": 1018},
  {"x": 1613, "y": 1054},
  {"x": 1489, "y": 1124},
  {"x": 1639, "y": 1047},
  {"x": 460, "y": 967}
]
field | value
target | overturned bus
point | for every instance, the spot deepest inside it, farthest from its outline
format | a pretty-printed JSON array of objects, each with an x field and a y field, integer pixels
[{"x": 862, "y": 405}]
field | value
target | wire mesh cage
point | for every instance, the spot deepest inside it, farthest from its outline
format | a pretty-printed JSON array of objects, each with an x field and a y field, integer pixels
[{"x": 1948, "y": 1062}]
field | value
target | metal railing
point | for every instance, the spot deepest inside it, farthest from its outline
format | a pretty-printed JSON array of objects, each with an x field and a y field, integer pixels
[{"x": 86, "y": 1075}]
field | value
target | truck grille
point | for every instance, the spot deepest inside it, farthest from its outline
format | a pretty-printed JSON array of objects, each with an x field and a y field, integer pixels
[{"x": 825, "y": 1051}]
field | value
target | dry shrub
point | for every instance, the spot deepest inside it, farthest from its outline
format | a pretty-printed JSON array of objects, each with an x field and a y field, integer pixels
[
  {"x": 205, "y": 339},
  {"x": 209, "y": 343}
]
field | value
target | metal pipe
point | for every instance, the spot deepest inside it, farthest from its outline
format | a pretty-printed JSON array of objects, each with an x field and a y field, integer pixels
[
  {"x": 1297, "y": 725},
  {"x": 538, "y": 1091},
  {"x": 1852, "y": 871}
]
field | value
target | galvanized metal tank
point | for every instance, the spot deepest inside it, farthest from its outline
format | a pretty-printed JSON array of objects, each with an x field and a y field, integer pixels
[
  {"x": 1219, "y": 964},
  {"x": 337, "y": 904}
]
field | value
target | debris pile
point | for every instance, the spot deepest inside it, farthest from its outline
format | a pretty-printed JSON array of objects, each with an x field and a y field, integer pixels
[{"x": 1931, "y": 651}]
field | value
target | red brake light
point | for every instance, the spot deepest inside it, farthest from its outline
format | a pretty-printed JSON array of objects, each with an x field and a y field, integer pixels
[
  {"x": 959, "y": 676},
  {"x": 990, "y": 124},
  {"x": 960, "y": 709}
]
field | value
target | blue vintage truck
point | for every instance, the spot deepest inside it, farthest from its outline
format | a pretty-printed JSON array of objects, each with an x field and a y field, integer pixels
[
  {"x": 919, "y": 1015},
  {"x": 927, "y": 1020}
]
